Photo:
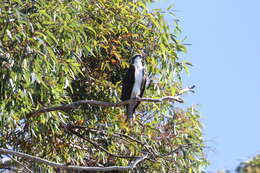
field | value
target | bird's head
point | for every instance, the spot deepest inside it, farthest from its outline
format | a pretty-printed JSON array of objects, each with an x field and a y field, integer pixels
[{"x": 137, "y": 59}]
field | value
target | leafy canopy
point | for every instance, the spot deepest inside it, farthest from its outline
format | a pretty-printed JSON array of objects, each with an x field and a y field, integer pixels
[{"x": 59, "y": 51}]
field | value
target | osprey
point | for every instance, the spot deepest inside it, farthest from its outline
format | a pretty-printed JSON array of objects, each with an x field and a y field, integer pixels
[{"x": 133, "y": 84}]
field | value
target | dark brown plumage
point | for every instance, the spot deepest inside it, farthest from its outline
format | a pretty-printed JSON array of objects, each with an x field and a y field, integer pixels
[{"x": 128, "y": 85}]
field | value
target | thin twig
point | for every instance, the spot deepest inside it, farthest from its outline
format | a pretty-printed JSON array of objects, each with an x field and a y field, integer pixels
[
  {"x": 134, "y": 163},
  {"x": 186, "y": 90},
  {"x": 103, "y": 132},
  {"x": 181, "y": 147},
  {"x": 25, "y": 167},
  {"x": 98, "y": 146},
  {"x": 74, "y": 167}
]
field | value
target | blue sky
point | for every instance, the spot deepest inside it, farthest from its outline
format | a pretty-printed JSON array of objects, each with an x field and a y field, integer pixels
[{"x": 225, "y": 51}]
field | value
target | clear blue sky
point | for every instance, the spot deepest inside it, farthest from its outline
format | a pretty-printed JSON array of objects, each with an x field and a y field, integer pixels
[{"x": 225, "y": 38}]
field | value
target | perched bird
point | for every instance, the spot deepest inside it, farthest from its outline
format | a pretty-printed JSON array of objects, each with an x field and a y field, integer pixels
[{"x": 134, "y": 84}]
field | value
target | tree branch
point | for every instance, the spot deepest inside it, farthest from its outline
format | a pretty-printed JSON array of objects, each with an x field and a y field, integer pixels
[
  {"x": 103, "y": 132},
  {"x": 186, "y": 90},
  {"x": 74, "y": 167},
  {"x": 97, "y": 145},
  {"x": 76, "y": 104},
  {"x": 21, "y": 164}
]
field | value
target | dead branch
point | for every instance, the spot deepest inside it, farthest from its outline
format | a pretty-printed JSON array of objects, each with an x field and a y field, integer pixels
[
  {"x": 76, "y": 104},
  {"x": 74, "y": 167}
]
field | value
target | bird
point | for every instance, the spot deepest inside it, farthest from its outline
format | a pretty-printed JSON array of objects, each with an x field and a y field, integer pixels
[{"x": 134, "y": 83}]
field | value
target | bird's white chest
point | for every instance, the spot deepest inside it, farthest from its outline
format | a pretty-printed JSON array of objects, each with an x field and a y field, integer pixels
[{"x": 138, "y": 81}]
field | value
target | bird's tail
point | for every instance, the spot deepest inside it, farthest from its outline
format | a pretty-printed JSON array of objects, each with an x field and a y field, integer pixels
[{"x": 129, "y": 111}]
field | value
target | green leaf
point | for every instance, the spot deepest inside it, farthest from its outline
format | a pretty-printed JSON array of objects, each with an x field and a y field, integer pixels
[{"x": 52, "y": 36}]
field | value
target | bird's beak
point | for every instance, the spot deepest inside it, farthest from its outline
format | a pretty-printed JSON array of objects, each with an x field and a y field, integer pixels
[{"x": 143, "y": 56}]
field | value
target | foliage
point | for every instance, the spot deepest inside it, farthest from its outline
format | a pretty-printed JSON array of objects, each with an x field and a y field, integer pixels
[
  {"x": 58, "y": 51},
  {"x": 250, "y": 166}
]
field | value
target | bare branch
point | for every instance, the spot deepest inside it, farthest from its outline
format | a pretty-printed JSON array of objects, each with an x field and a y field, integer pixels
[
  {"x": 166, "y": 98},
  {"x": 74, "y": 167},
  {"x": 134, "y": 164},
  {"x": 76, "y": 104},
  {"x": 186, "y": 90}
]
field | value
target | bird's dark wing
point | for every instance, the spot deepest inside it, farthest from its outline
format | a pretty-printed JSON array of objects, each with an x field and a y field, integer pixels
[
  {"x": 142, "y": 88},
  {"x": 143, "y": 85},
  {"x": 128, "y": 83}
]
